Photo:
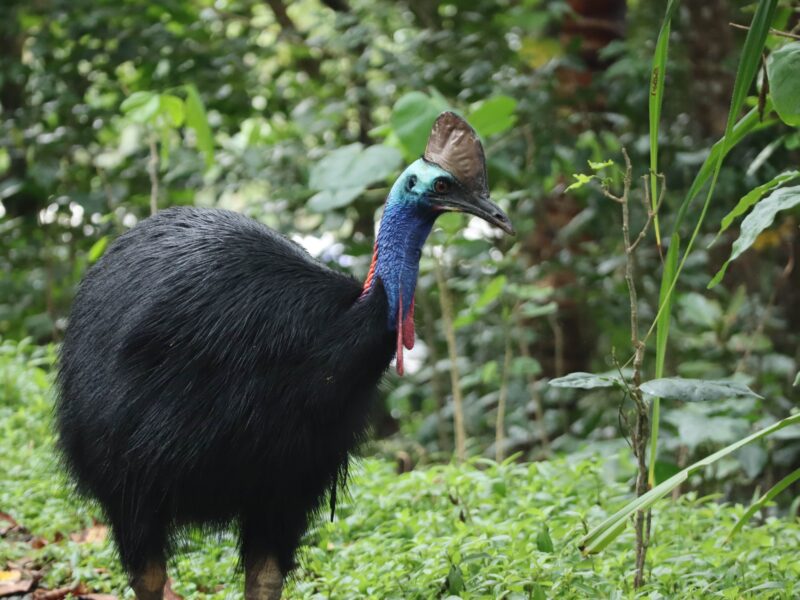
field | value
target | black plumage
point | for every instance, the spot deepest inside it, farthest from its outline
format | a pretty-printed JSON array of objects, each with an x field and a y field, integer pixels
[{"x": 212, "y": 371}]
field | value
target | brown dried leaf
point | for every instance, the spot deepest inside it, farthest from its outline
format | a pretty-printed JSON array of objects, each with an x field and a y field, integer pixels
[
  {"x": 79, "y": 590},
  {"x": 93, "y": 535},
  {"x": 7, "y": 523},
  {"x": 15, "y": 588}
]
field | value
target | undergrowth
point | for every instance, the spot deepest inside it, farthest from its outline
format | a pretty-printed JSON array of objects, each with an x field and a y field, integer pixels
[{"x": 480, "y": 530}]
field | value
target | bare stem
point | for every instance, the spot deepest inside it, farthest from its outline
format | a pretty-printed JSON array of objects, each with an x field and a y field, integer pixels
[
  {"x": 499, "y": 428},
  {"x": 777, "y": 32},
  {"x": 152, "y": 170},
  {"x": 641, "y": 426},
  {"x": 455, "y": 378}
]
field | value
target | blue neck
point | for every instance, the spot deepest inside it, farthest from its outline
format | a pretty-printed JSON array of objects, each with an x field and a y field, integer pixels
[{"x": 404, "y": 227}]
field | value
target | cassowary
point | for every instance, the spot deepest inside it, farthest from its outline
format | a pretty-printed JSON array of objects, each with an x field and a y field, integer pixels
[{"x": 213, "y": 373}]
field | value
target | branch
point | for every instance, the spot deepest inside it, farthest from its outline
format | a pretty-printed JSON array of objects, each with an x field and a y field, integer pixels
[
  {"x": 455, "y": 378},
  {"x": 786, "y": 34},
  {"x": 152, "y": 170}
]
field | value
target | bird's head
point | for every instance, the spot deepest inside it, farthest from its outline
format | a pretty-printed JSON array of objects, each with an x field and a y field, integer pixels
[{"x": 451, "y": 175}]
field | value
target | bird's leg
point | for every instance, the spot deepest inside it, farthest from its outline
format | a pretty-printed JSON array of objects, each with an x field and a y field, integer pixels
[
  {"x": 148, "y": 584},
  {"x": 263, "y": 579}
]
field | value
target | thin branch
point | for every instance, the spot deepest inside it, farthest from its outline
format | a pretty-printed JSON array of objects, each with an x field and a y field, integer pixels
[
  {"x": 786, "y": 34},
  {"x": 499, "y": 428},
  {"x": 152, "y": 170},
  {"x": 455, "y": 378}
]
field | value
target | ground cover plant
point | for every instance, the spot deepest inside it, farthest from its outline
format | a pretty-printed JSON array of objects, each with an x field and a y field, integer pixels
[{"x": 483, "y": 530}]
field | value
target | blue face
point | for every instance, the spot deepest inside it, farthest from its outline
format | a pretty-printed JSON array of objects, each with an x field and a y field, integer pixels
[
  {"x": 407, "y": 220},
  {"x": 419, "y": 184}
]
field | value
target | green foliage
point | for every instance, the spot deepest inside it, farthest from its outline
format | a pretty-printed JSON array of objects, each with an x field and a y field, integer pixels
[
  {"x": 782, "y": 67},
  {"x": 412, "y": 117},
  {"x": 586, "y": 381},
  {"x": 345, "y": 173},
  {"x": 757, "y": 221},
  {"x": 603, "y": 534},
  {"x": 696, "y": 390},
  {"x": 480, "y": 530},
  {"x": 753, "y": 196}
]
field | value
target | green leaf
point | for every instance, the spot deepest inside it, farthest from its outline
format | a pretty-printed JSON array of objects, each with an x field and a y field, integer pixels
[
  {"x": 493, "y": 116},
  {"x": 783, "y": 69},
  {"x": 343, "y": 174},
  {"x": 197, "y": 120},
  {"x": 451, "y": 222},
  {"x": 491, "y": 292},
  {"x": 753, "y": 196},
  {"x": 533, "y": 309},
  {"x": 172, "y": 107},
  {"x": 606, "y": 532},
  {"x": 796, "y": 380},
  {"x": 696, "y": 390},
  {"x": 763, "y": 500},
  {"x": 586, "y": 381},
  {"x": 757, "y": 221},
  {"x": 412, "y": 117},
  {"x": 330, "y": 199},
  {"x": 581, "y": 180},
  {"x": 330, "y": 172},
  {"x": 374, "y": 164},
  {"x": 136, "y": 100},
  {"x": 97, "y": 249},
  {"x": 455, "y": 580},
  {"x": 141, "y": 107},
  {"x": 543, "y": 541},
  {"x": 597, "y": 166}
]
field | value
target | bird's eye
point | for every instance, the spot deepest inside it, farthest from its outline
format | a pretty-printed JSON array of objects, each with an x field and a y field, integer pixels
[
  {"x": 411, "y": 182},
  {"x": 441, "y": 186}
]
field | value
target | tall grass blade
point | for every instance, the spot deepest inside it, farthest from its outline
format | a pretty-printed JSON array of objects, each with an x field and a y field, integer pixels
[
  {"x": 605, "y": 533},
  {"x": 657, "y": 74},
  {"x": 761, "y": 502},
  {"x": 662, "y": 333},
  {"x": 745, "y": 73}
]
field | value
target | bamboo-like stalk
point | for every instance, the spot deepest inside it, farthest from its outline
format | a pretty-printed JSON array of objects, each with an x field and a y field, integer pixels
[
  {"x": 455, "y": 378},
  {"x": 499, "y": 428}
]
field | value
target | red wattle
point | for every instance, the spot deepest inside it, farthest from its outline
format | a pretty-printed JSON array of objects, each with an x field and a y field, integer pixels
[
  {"x": 398, "y": 360},
  {"x": 408, "y": 327}
]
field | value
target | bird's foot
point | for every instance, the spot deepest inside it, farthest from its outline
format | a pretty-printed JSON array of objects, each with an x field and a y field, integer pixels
[
  {"x": 263, "y": 580},
  {"x": 149, "y": 583}
]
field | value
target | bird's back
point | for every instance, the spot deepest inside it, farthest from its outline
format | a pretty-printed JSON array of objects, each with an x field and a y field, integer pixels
[{"x": 202, "y": 343}]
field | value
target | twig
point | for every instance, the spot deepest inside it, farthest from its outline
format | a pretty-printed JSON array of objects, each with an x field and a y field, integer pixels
[
  {"x": 455, "y": 378},
  {"x": 152, "y": 170},
  {"x": 436, "y": 382},
  {"x": 641, "y": 428},
  {"x": 786, "y": 34},
  {"x": 538, "y": 405}
]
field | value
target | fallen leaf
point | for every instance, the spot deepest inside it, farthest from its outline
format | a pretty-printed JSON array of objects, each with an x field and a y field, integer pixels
[
  {"x": 11, "y": 583},
  {"x": 60, "y": 593},
  {"x": 93, "y": 535},
  {"x": 38, "y": 542},
  {"x": 98, "y": 597},
  {"x": 8, "y": 523}
]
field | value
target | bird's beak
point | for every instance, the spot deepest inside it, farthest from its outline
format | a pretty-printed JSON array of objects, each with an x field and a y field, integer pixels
[{"x": 480, "y": 206}]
